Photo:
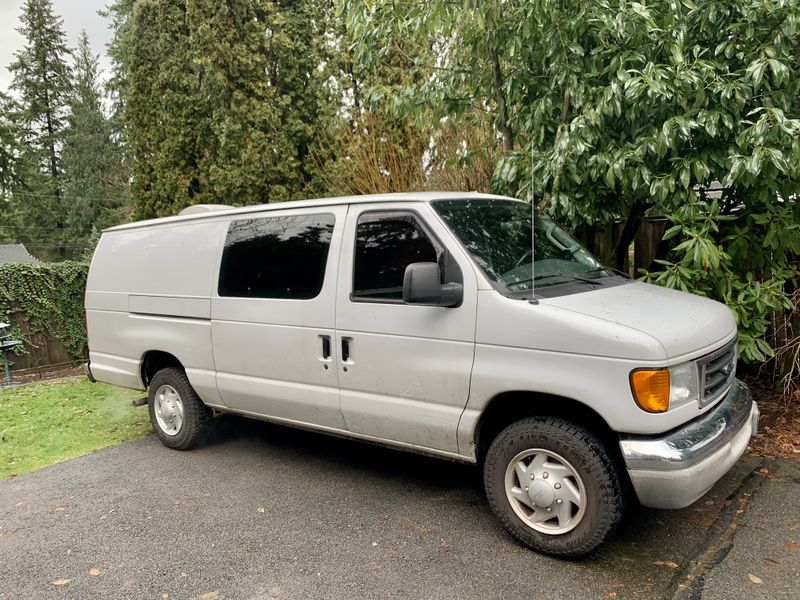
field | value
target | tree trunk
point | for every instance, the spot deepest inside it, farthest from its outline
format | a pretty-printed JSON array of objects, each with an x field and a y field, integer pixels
[
  {"x": 62, "y": 251},
  {"x": 502, "y": 109},
  {"x": 498, "y": 82},
  {"x": 632, "y": 224}
]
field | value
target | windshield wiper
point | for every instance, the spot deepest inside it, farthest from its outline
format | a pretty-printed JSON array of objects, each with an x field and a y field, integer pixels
[
  {"x": 612, "y": 269},
  {"x": 543, "y": 275}
]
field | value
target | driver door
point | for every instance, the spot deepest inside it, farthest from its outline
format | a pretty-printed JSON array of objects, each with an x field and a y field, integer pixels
[{"x": 404, "y": 369}]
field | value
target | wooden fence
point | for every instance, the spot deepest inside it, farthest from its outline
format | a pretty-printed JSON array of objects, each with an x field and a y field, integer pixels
[
  {"x": 43, "y": 351},
  {"x": 647, "y": 246}
]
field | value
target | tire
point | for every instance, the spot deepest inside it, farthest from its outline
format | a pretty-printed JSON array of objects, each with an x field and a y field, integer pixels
[
  {"x": 568, "y": 463},
  {"x": 178, "y": 415}
]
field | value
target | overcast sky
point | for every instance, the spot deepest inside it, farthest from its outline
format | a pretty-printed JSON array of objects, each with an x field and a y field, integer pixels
[{"x": 77, "y": 15}]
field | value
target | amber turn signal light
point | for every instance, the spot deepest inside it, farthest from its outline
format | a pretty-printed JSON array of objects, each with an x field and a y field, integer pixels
[{"x": 651, "y": 389}]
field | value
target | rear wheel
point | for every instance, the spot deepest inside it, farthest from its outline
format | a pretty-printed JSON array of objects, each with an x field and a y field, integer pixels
[
  {"x": 554, "y": 486},
  {"x": 178, "y": 415}
]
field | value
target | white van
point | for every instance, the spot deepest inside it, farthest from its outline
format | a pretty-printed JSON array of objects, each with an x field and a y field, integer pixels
[{"x": 421, "y": 322}]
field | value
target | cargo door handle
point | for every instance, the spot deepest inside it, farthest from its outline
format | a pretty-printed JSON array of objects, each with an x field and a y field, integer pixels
[
  {"x": 345, "y": 349},
  {"x": 326, "y": 346}
]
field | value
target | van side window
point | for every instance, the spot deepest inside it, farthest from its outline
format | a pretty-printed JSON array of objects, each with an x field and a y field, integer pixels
[
  {"x": 386, "y": 243},
  {"x": 276, "y": 257}
]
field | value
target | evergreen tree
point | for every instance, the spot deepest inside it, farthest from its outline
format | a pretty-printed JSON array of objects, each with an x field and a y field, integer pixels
[
  {"x": 221, "y": 101},
  {"x": 91, "y": 158},
  {"x": 259, "y": 67},
  {"x": 163, "y": 110},
  {"x": 41, "y": 78},
  {"x": 9, "y": 148}
]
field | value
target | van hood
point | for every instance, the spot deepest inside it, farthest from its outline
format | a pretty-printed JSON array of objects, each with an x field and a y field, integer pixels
[{"x": 683, "y": 323}]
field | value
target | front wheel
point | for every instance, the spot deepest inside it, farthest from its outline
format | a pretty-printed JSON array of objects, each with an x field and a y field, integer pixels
[
  {"x": 554, "y": 486},
  {"x": 178, "y": 415}
]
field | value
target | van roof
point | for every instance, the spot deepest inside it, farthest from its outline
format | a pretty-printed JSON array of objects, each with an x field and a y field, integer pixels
[{"x": 221, "y": 212}]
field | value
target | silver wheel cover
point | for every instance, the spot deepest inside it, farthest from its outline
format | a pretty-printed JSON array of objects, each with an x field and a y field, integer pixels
[
  {"x": 168, "y": 410},
  {"x": 545, "y": 491}
]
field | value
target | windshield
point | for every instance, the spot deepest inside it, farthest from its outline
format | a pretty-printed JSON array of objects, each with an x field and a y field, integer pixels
[{"x": 498, "y": 235}]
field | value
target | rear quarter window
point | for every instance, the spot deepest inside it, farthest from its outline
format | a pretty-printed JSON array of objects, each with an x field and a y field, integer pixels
[{"x": 276, "y": 257}]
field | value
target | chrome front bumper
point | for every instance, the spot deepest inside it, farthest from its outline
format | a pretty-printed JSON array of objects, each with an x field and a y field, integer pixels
[{"x": 676, "y": 469}]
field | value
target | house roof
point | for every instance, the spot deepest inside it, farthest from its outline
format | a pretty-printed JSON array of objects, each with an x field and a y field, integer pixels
[{"x": 15, "y": 253}]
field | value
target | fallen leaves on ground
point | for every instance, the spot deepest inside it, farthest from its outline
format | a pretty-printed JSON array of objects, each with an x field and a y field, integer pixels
[
  {"x": 208, "y": 596},
  {"x": 612, "y": 587},
  {"x": 666, "y": 563},
  {"x": 765, "y": 472},
  {"x": 754, "y": 578},
  {"x": 60, "y": 581},
  {"x": 31, "y": 375},
  {"x": 779, "y": 423},
  {"x": 94, "y": 572}
]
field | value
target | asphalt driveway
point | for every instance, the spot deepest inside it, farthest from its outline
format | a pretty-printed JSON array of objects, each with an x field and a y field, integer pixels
[{"x": 267, "y": 512}]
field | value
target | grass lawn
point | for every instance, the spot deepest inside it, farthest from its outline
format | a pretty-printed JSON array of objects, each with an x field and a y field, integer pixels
[{"x": 50, "y": 421}]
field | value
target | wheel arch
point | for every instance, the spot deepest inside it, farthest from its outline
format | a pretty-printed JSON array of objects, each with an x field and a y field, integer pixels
[
  {"x": 155, "y": 360},
  {"x": 507, "y": 407}
]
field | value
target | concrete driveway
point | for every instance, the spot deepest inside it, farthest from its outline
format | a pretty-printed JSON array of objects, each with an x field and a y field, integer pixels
[{"x": 267, "y": 512}]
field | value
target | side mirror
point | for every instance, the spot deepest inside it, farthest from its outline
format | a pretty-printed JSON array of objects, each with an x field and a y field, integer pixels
[{"x": 421, "y": 285}]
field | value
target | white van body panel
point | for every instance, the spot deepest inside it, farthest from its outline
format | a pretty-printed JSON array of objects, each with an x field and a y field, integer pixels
[
  {"x": 150, "y": 289},
  {"x": 546, "y": 326},
  {"x": 577, "y": 356},
  {"x": 682, "y": 323},
  {"x": 268, "y": 352},
  {"x": 408, "y": 375}
]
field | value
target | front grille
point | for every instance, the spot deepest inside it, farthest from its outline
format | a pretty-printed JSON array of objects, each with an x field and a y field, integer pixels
[{"x": 717, "y": 372}]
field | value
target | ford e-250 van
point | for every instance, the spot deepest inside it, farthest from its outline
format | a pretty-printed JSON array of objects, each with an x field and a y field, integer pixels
[{"x": 432, "y": 323}]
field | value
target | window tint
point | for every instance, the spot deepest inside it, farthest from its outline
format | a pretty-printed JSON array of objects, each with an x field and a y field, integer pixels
[
  {"x": 386, "y": 243},
  {"x": 276, "y": 257}
]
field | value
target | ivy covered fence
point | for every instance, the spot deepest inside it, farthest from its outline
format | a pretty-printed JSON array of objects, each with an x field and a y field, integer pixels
[{"x": 44, "y": 305}]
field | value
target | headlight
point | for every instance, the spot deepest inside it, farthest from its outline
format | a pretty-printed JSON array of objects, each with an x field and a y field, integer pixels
[
  {"x": 683, "y": 386},
  {"x": 656, "y": 390}
]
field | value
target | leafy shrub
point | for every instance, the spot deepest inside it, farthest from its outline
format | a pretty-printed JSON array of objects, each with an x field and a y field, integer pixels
[{"x": 746, "y": 259}]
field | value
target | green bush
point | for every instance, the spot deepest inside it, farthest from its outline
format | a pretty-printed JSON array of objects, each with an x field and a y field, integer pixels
[
  {"x": 51, "y": 297},
  {"x": 746, "y": 258}
]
